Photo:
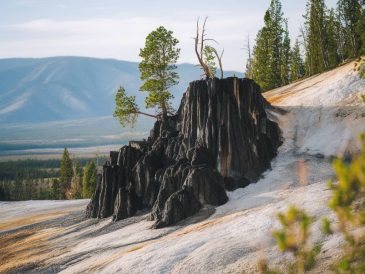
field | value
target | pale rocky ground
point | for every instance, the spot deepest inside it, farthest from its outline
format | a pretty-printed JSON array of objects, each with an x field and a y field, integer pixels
[{"x": 324, "y": 116}]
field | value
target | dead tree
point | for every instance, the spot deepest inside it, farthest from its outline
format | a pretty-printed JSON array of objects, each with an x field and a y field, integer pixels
[{"x": 200, "y": 40}]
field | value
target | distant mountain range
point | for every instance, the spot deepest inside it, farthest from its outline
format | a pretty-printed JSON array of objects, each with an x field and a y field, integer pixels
[{"x": 40, "y": 95}]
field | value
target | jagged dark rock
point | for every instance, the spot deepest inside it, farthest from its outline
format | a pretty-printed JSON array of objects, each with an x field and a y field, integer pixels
[{"x": 219, "y": 139}]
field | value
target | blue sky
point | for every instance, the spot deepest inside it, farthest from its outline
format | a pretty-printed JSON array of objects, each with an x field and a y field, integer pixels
[{"x": 117, "y": 28}]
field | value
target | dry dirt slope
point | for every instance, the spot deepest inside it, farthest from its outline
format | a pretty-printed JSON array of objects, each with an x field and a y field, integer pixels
[{"x": 325, "y": 114}]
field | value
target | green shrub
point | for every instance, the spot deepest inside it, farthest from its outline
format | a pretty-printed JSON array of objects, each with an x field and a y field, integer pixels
[
  {"x": 348, "y": 202},
  {"x": 360, "y": 67}
]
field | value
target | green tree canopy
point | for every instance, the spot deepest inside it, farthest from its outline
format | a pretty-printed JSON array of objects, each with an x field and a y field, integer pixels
[
  {"x": 157, "y": 68},
  {"x": 89, "y": 180},
  {"x": 272, "y": 49},
  {"x": 296, "y": 63},
  {"x": 66, "y": 172},
  {"x": 350, "y": 13}
]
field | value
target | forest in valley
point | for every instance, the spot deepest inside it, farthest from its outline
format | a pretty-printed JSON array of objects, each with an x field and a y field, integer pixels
[{"x": 33, "y": 179}]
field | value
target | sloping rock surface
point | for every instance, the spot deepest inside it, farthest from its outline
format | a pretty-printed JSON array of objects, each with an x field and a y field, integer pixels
[{"x": 220, "y": 138}]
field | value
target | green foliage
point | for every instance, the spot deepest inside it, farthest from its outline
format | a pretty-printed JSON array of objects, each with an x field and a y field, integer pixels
[
  {"x": 76, "y": 181},
  {"x": 360, "y": 27},
  {"x": 348, "y": 202},
  {"x": 350, "y": 13},
  {"x": 293, "y": 238},
  {"x": 326, "y": 226},
  {"x": 315, "y": 25},
  {"x": 249, "y": 69},
  {"x": 66, "y": 172},
  {"x": 209, "y": 60},
  {"x": 89, "y": 180},
  {"x": 55, "y": 192},
  {"x": 297, "y": 68},
  {"x": 126, "y": 109},
  {"x": 360, "y": 69},
  {"x": 285, "y": 58},
  {"x": 331, "y": 42},
  {"x": 271, "y": 55},
  {"x": 158, "y": 68}
]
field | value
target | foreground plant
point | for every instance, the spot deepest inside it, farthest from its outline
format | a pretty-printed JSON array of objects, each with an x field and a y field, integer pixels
[
  {"x": 360, "y": 67},
  {"x": 293, "y": 237},
  {"x": 348, "y": 202}
]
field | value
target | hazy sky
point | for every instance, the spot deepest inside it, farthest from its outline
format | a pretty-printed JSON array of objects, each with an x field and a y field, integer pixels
[{"x": 117, "y": 28}]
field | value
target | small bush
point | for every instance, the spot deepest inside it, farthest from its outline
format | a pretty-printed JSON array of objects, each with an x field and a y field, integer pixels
[
  {"x": 360, "y": 67},
  {"x": 348, "y": 202}
]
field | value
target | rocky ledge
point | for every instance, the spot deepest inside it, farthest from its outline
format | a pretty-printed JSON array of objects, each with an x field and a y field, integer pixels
[{"x": 220, "y": 139}]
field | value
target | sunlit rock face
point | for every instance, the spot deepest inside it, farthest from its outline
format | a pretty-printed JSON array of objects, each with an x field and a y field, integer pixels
[{"x": 220, "y": 139}]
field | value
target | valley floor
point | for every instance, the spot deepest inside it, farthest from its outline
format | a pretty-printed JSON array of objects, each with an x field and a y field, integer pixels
[{"x": 320, "y": 118}]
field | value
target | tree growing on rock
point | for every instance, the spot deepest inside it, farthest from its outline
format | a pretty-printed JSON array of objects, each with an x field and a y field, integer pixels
[
  {"x": 157, "y": 68},
  {"x": 158, "y": 71},
  {"x": 206, "y": 54}
]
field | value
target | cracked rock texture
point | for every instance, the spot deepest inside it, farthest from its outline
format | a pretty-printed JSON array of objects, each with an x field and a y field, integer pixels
[{"x": 220, "y": 139}]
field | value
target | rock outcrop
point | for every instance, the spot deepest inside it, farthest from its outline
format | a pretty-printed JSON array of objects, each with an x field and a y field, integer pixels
[{"x": 219, "y": 139}]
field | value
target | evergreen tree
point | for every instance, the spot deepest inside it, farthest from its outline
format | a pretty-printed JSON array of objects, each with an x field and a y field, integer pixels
[
  {"x": 3, "y": 196},
  {"x": 89, "y": 180},
  {"x": 272, "y": 43},
  {"x": 296, "y": 63},
  {"x": 331, "y": 39},
  {"x": 360, "y": 29},
  {"x": 76, "y": 181},
  {"x": 66, "y": 173},
  {"x": 18, "y": 188},
  {"x": 315, "y": 25},
  {"x": 55, "y": 192},
  {"x": 261, "y": 68},
  {"x": 28, "y": 188},
  {"x": 285, "y": 58},
  {"x": 158, "y": 68},
  {"x": 350, "y": 12},
  {"x": 249, "y": 64}
]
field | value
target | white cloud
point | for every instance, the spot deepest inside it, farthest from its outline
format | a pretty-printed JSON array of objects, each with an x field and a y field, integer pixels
[{"x": 122, "y": 38}]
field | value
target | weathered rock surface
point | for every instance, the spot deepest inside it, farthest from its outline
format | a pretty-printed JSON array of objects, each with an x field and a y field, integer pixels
[{"x": 219, "y": 139}]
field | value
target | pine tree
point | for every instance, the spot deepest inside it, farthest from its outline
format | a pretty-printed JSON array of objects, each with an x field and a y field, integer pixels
[
  {"x": 55, "y": 192},
  {"x": 18, "y": 188},
  {"x": 315, "y": 29},
  {"x": 89, "y": 180},
  {"x": 249, "y": 64},
  {"x": 267, "y": 64},
  {"x": 261, "y": 68},
  {"x": 296, "y": 63},
  {"x": 66, "y": 173},
  {"x": 331, "y": 39},
  {"x": 350, "y": 12},
  {"x": 360, "y": 29},
  {"x": 285, "y": 58},
  {"x": 76, "y": 181},
  {"x": 158, "y": 69}
]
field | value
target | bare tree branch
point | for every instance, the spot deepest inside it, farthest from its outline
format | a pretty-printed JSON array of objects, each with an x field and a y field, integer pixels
[{"x": 219, "y": 57}]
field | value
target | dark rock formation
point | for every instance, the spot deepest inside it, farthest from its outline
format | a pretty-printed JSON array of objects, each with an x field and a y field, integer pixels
[{"x": 219, "y": 139}]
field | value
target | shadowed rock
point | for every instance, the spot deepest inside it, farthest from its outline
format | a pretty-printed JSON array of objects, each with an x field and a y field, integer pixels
[{"x": 220, "y": 138}]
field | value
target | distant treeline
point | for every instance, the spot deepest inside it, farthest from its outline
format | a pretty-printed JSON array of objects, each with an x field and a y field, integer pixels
[
  {"x": 34, "y": 179},
  {"x": 36, "y": 169}
]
